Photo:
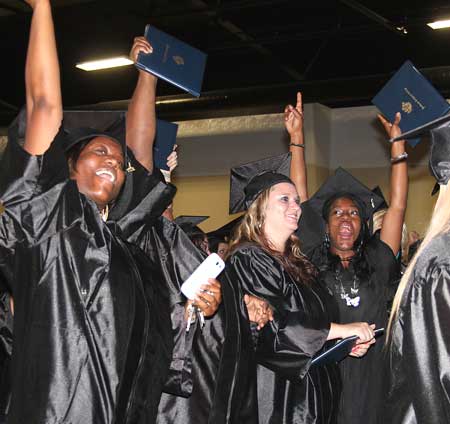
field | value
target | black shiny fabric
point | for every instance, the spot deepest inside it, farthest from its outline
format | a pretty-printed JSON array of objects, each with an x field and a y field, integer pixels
[
  {"x": 419, "y": 355},
  {"x": 289, "y": 389},
  {"x": 92, "y": 339},
  {"x": 364, "y": 380},
  {"x": 6, "y": 328},
  {"x": 212, "y": 375}
]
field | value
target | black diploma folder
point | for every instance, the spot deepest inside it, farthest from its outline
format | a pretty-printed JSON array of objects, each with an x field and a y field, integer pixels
[
  {"x": 166, "y": 135},
  {"x": 173, "y": 61},
  {"x": 340, "y": 350},
  {"x": 411, "y": 94}
]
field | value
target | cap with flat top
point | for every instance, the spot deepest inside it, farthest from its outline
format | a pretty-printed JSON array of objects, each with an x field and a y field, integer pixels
[
  {"x": 248, "y": 181},
  {"x": 342, "y": 184}
]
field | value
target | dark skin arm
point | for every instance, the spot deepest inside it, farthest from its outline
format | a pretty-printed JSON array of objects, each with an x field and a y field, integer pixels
[
  {"x": 42, "y": 81},
  {"x": 293, "y": 121},
  {"x": 141, "y": 117},
  {"x": 391, "y": 231}
]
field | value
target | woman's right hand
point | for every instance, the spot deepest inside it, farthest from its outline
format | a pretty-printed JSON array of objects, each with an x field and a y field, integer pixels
[
  {"x": 293, "y": 117},
  {"x": 364, "y": 331}
]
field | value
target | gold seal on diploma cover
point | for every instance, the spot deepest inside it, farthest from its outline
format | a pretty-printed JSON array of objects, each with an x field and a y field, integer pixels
[
  {"x": 406, "y": 107},
  {"x": 2, "y": 208},
  {"x": 178, "y": 60}
]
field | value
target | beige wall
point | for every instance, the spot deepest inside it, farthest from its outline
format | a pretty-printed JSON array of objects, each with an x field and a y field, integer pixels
[{"x": 209, "y": 195}]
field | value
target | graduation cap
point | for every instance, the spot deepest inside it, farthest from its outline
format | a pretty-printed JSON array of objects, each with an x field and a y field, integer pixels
[
  {"x": 439, "y": 130},
  {"x": 312, "y": 226},
  {"x": 226, "y": 230},
  {"x": 384, "y": 205},
  {"x": 188, "y": 222},
  {"x": 343, "y": 184},
  {"x": 248, "y": 181}
]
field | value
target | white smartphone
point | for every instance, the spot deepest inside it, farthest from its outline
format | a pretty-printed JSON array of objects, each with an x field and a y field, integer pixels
[{"x": 211, "y": 267}]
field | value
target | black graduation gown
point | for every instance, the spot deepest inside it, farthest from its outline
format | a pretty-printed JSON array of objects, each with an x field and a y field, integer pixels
[
  {"x": 290, "y": 390},
  {"x": 420, "y": 351},
  {"x": 92, "y": 335},
  {"x": 212, "y": 375},
  {"x": 6, "y": 327},
  {"x": 364, "y": 380}
]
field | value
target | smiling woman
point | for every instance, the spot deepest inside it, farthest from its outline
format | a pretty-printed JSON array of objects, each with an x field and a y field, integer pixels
[
  {"x": 92, "y": 328},
  {"x": 266, "y": 261},
  {"x": 98, "y": 168}
]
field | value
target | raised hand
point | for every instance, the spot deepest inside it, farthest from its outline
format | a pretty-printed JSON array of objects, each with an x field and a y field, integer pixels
[
  {"x": 392, "y": 129},
  {"x": 172, "y": 159},
  {"x": 140, "y": 44},
  {"x": 258, "y": 310},
  {"x": 293, "y": 117}
]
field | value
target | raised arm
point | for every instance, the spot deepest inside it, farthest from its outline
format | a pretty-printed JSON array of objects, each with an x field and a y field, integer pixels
[
  {"x": 391, "y": 231},
  {"x": 42, "y": 81},
  {"x": 141, "y": 117},
  {"x": 293, "y": 120}
]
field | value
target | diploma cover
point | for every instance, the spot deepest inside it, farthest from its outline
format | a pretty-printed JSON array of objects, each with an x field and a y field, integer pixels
[
  {"x": 340, "y": 350},
  {"x": 411, "y": 94},
  {"x": 166, "y": 135},
  {"x": 173, "y": 61}
]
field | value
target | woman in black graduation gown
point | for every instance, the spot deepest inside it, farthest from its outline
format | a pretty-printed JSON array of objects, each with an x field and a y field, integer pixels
[
  {"x": 267, "y": 262},
  {"x": 419, "y": 336},
  {"x": 211, "y": 376},
  {"x": 361, "y": 271},
  {"x": 92, "y": 337}
]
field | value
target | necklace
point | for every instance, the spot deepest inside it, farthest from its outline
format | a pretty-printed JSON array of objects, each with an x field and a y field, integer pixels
[
  {"x": 104, "y": 213},
  {"x": 351, "y": 299}
]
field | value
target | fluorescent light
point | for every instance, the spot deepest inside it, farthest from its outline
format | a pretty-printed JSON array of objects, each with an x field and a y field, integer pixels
[
  {"x": 113, "y": 62},
  {"x": 440, "y": 24}
]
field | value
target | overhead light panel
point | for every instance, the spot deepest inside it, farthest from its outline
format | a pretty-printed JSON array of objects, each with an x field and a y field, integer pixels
[
  {"x": 440, "y": 24},
  {"x": 113, "y": 62}
]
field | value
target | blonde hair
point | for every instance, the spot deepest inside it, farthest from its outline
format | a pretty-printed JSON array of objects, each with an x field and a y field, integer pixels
[
  {"x": 377, "y": 220},
  {"x": 251, "y": 230},
  {"x": 439, "y": 224}
]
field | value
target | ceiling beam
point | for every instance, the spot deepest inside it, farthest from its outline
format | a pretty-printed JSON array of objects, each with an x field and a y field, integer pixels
[{"x": 399, "y": 30}]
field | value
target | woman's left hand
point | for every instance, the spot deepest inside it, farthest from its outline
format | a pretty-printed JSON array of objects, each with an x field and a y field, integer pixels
[
  {"x": 361, "y": 349},
  {"x": 209, "y": 297}
]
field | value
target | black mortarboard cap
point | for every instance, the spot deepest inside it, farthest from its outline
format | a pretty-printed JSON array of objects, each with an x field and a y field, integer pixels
[
  {"x": 439, "y": 130},
  {"x": 190, "y": 219},
  {"x": 343, "y": 183},
  {"x": 384, "y": 205},
  {"x": 226, "y": 230},
  {"x": 248, "y": 181}
]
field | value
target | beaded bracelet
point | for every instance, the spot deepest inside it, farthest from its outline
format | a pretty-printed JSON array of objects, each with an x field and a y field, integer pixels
[
  {"x": 297, "y": 145},
  {"x": 399, "y": 158}
]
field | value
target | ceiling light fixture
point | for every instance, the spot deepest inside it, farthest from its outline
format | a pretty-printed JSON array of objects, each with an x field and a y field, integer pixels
[
  {"x": 112, "y": 62},
  {"x": 440, "y": 24}
]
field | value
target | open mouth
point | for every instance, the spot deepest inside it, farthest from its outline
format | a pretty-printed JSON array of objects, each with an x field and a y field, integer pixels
[
  {"x": 345, "y": 231},
  {"x": 106, "y": 174}
]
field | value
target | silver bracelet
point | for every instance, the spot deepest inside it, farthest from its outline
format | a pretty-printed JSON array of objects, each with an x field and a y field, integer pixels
[{"x": 399, "y": 158}]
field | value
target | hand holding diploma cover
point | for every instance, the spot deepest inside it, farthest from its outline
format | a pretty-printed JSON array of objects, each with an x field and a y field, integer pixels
[
  {"x": 411, "y": 94},
  {"x": 166, "y": 135},
  {"x": 340, "y": 350},
  {"x": 173, "y": 61}
]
